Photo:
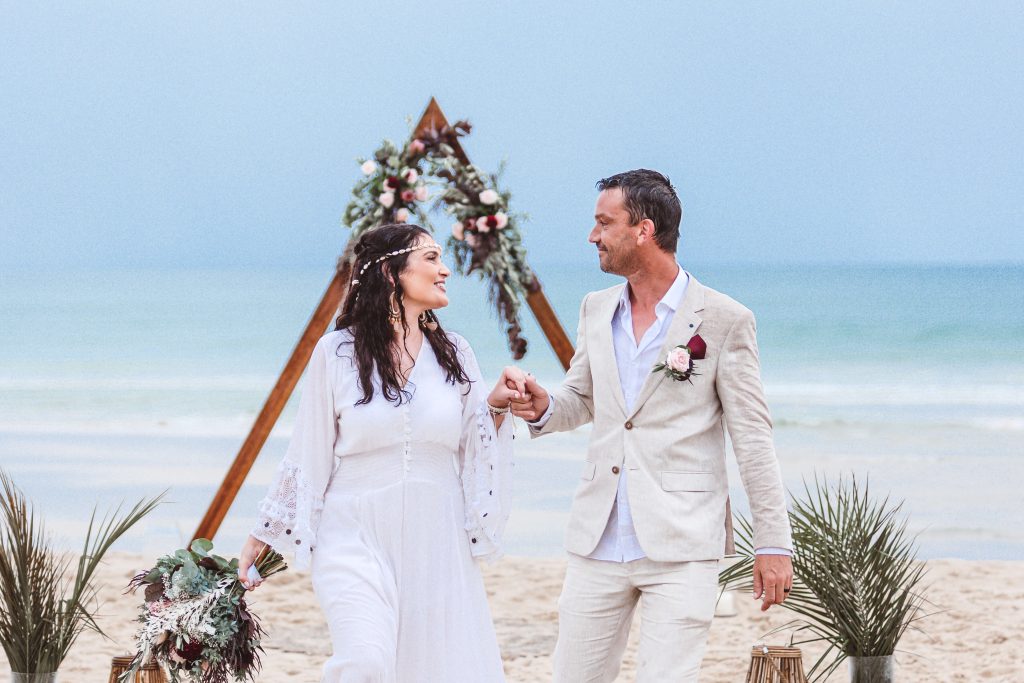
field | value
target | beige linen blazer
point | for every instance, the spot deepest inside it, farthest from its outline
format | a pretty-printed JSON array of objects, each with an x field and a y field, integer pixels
[{"x": 673, "y": 440}]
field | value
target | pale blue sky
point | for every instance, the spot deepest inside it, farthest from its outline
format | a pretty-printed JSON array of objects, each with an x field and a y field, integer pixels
[{"x": 224, "y": 134}]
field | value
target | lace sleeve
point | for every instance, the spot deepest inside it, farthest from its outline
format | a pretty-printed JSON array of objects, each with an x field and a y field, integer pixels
[
  {"x": 485, "y": 454},
  {"x": 286, "y": 513},
  {"x": 290, "y": 512},
  {"x": 487, "y": 483}
]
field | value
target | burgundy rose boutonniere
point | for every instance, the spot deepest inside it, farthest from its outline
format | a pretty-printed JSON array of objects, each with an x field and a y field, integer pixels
[{"x": 678, "y": 365}]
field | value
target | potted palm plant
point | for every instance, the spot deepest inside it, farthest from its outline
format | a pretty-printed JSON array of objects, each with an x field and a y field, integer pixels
[
  {"x": 44, "y": 604},
  {"x": 857, "y": 580}
]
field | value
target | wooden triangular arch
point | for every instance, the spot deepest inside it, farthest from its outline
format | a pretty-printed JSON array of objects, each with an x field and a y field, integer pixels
[{"x": 433, "y": 119}]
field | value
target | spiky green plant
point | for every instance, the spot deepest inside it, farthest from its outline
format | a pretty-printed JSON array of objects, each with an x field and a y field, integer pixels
[
  {"x": 857, "y": 581},
  {"x": 42, "y": 609}
]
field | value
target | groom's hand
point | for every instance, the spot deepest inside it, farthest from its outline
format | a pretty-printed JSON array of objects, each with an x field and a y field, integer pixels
[
  {"x": 773, "y": 579},
  {"x": 534, "y": 402}
]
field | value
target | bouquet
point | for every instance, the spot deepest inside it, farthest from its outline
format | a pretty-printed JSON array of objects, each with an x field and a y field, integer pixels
[{"x": 195, "y": 619}]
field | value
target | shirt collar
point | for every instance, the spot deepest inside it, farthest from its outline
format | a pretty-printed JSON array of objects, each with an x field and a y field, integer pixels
[{"x": 673, "y": 297}]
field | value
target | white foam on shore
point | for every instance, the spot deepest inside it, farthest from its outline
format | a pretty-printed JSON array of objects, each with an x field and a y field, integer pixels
[
  {"x": 193, "y": 427},
  {"x": 897, "y": 394}
]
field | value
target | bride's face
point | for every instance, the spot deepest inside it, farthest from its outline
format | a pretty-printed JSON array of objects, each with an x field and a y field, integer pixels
[{"x": 423, "y": 280}]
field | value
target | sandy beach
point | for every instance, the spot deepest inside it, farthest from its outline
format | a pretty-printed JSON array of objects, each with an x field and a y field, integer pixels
[{"x": 973, "y": 636}]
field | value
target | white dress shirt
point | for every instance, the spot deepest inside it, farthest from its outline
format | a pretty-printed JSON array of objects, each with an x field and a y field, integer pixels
[{"x": 635, "y": 361}]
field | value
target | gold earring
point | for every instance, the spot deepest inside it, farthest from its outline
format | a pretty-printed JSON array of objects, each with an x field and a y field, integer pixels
[
  {"x": 428, "y": 321},
  {"x": 394, "y": 315}
]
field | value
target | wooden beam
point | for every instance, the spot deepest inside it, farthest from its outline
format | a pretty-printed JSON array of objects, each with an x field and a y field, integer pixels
[
  {"x": 433, "y": 120},
  {"x": 550, "y": 325},
  {"x": 253, "y": 444}
]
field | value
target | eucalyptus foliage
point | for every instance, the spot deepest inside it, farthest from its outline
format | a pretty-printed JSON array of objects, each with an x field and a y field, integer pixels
[
  {"x": 46, "y": 601},
  {"x": 195, "y": 619},
  {"x": 857, "y": 581}
]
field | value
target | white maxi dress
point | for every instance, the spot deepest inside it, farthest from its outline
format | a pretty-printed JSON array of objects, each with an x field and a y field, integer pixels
[{"x": 390, "y": 506}]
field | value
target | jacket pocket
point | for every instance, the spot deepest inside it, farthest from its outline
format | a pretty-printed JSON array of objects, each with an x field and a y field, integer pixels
[
  {"x": 589, "y": 469},
  {"x": 688, "y": 481}
]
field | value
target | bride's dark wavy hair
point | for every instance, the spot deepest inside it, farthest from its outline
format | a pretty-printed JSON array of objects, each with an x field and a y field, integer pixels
[{"x": 365, "y": 314}]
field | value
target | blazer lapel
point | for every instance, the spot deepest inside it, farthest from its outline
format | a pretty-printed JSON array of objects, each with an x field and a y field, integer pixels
[
  {"x": 602, "y": 352},
  {"x": 684, "y": 325}
]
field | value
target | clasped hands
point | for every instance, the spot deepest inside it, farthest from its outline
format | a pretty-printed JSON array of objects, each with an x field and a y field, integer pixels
[{"x": 518, "y": 390}]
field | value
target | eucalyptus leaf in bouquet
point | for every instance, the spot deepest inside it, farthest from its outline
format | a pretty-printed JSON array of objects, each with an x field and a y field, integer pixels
[{"x": 195, "y": 620}]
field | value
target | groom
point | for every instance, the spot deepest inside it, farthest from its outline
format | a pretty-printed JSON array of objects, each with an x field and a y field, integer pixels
[{"x": 650, "y": 518}]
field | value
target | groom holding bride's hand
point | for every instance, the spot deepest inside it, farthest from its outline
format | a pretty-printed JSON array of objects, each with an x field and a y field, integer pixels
[{"x": 662, "y": 364}]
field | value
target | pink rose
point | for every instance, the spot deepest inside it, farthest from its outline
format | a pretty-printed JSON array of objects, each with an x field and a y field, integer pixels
[
  {"x": 408, "y": 195},
  {"x": 488, "y": 197},
  {"x": 678, "y": 359},
  {"x": 502, "y": 220},
  {"x": 411, "y": 176},
  {"x": 481, "y": 224},
  {"x": 417, "y": 147},
  {"x": 402, "y": 215},
  {"x": 387, "y": 199},
  {"x": 458, "y": 231},
  {"x": 421, "y": 193}
]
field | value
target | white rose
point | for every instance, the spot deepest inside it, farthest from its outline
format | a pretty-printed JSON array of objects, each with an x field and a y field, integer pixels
[
  {"x": 502, "y": 220},
  {"x": 368, "y": 167},
  {"x": 678, "y": 359},
  {"x": 488, "y": 197},
  {"x": 459, "y": 231},
  {"x": 411, "y": 176},
  {"x": 402, "y": 215},
  {"x": 481, "y": 224},
  {"x": 387, "y": 199}
]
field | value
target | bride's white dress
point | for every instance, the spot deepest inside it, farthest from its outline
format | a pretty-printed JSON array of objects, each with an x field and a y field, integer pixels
[{"x": 389, "y": 505}]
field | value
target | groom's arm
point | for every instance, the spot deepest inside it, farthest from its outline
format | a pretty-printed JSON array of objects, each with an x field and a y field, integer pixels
[
  {"x": 572, "y": 403},
  {"x": 750, "y": 428}
]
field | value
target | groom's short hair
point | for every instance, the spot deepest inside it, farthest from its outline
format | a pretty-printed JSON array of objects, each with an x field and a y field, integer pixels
[{"x": 649, "y": 194}]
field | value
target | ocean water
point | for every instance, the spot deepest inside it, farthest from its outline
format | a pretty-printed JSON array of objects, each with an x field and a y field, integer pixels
[{"x": 119, "y": 384}]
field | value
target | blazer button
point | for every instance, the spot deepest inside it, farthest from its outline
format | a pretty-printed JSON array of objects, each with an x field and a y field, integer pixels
[
  {"x": 629, "y": 425},
  {"x": 615, "y": 470}
]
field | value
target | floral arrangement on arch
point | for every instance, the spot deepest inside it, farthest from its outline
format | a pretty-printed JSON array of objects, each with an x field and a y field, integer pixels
[
  {"x": 392, "y": 189},
  {"x": 485, "y": 237}
]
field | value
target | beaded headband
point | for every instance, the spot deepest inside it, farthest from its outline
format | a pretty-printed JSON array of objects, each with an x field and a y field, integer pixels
[{"x": 389, "y": 255}]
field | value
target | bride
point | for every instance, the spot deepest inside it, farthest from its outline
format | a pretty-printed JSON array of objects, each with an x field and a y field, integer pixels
[{"x": 397, "y": 476}]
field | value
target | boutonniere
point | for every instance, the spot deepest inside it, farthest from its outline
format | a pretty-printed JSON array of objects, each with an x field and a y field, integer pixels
[{"x": 678, "y": 365}]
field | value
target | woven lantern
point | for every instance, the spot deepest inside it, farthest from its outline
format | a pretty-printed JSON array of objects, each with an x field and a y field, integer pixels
[
  {"x": 148, "y": 673},
  {"x": 772, "y": 664}
]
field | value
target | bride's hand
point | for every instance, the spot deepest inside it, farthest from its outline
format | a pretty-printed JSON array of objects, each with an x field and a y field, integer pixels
[
  {"x": 511, "y": 385},
  {"x": 250, "y": 552}
]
